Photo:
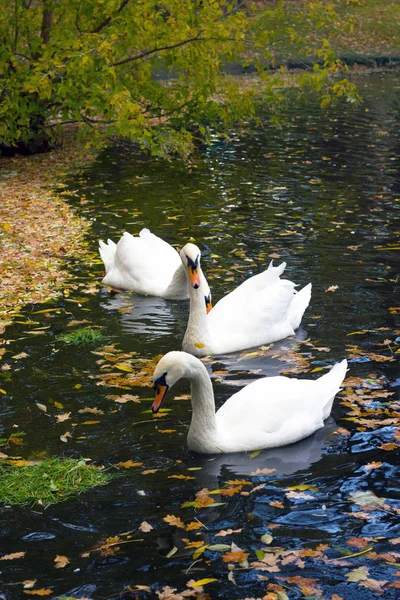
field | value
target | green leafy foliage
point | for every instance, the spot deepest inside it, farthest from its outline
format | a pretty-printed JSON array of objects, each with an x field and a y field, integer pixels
[{"x": 155, "y": 73}]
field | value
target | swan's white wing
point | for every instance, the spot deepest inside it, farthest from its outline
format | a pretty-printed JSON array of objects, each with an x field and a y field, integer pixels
[
  {"x": 251, "y": 286},
  {"x": 253, "y": 320},
  {"x": 277, "y": 410},
  {"x": 145, "y": 264},
  {"x": 159, "y": 249}
]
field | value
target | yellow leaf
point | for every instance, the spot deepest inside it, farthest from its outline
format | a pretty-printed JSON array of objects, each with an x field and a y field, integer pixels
[
  {"x": 126, "y": 368},
  {"x": 199, "y": 552},
  {"x": 2, "y": 391},
  {"x": 41, "y": 592},
  {"x": 90, "y": 422},
  {"x": 201, "y": 582},
  {"x": 198, "y": 345},
  {"x": 128, "y": 464}
]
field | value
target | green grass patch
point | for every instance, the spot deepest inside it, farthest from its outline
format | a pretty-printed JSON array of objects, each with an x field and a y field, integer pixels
[
  {"x": 82, "y": 337},
  {"x": 51, "y": 481}
]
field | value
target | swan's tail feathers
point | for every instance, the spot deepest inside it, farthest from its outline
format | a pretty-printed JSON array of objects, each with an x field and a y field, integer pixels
[
  {"x": 298, "y": 306},
  {"x": 279, "y": 269},
  {"x": 331, "y": 382},
  {"x": 107, "y": 253}
]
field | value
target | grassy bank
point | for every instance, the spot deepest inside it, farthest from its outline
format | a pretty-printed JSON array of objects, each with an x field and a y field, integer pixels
[{"x": 373, "y": 32}]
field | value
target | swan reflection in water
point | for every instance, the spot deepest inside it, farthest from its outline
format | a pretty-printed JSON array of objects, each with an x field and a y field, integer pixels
[
  {"x": 149, "y": 316},
  {"x": 286, "y": 460},
  {"x": 214, "y": 471}
]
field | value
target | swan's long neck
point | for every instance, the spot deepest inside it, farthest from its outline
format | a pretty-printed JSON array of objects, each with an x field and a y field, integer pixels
[
  {"x": 178, "y": 282},
  {"x": 203, "y": 426},
  {"x": 197, "y": 336}
]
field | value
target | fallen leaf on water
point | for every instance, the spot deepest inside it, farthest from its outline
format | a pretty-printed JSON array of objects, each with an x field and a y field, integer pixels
[
  {"x": 64, "y": 437},
  {"x": 63, "y": 417},
  {"x": 29, "y": 583},
  {"x": 175, "y": 521},
  {"x": 276, "y": 504},
  {"x": 93, "y": 411},
  {"x": 124, "y": 398},
  {"x": 124, "y": 367},
  {"x": 145, "y": 527},
  {"x": 201, "y": 582},
  {"x": 262, "y": 472},
  {"x": 372, "y": 465},
  {"x": 185, "y": 477},
  {"x": 359, "y": 574},
  {"x": 357, "y": 542},
  {"x": 18, "y": 356},
  {"x": 235, "y": 556},
  {"x": 374, "y": 585},
  {"x": 13, "y": 556},
  {"x": 193, "y": 525},
  {"x": 128, "y": 464},
  {"x": 61, "y": 562},
  {"x": 332, "y": 288},
  {"x": 41, "y": 592},
  {"x": 225, "y": 532}
]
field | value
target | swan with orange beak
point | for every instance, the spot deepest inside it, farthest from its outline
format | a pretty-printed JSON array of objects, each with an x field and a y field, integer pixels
[{"x": 261, "y": 310}]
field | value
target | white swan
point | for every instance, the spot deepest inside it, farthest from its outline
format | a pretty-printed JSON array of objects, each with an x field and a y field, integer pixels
[
  {"x": 261, "y": 310},
  {"x": 145, "y": 264},
  {"x": 269, "y": 412}
]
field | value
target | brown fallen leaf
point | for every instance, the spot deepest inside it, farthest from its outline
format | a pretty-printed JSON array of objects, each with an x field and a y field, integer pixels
[
  {"x": 61, "y": 562},
  {"x": 63, "y": 417},
  {"x": 175, "y": 521},
  {"x": 262, "y": 472},
  {"x": 357, "y": 542},
  {"x": 372, "y": 465},
  {"x": 124, "y": 398},
  {"x": 235, "y": 556},
  {"x": 64, "y": 437},
  {"x": 225, "y": 532},
  {"x": 13, "y": 556},
  {"x": 332, "y": 288},
  {"x": 145, "y": 527}
]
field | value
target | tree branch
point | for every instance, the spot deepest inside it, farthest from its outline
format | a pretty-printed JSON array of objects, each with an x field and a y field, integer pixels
[
  {"x": 47, "y": 23},
  {"x": 196, "y": 38},
  {"x": 109, "y": 19}
]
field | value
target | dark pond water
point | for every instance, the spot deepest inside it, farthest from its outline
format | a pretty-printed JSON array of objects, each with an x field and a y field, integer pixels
[{"x": 322, "y": 193}]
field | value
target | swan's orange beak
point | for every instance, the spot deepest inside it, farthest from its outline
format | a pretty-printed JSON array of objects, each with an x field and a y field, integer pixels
[
  {"x": 194, "y": 277},
  {"x": 208, "y": 304},
  {"x": 160, "y": 390}
]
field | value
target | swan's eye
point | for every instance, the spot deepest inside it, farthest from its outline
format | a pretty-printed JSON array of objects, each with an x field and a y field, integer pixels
[{"x": 193, "y": 264}]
